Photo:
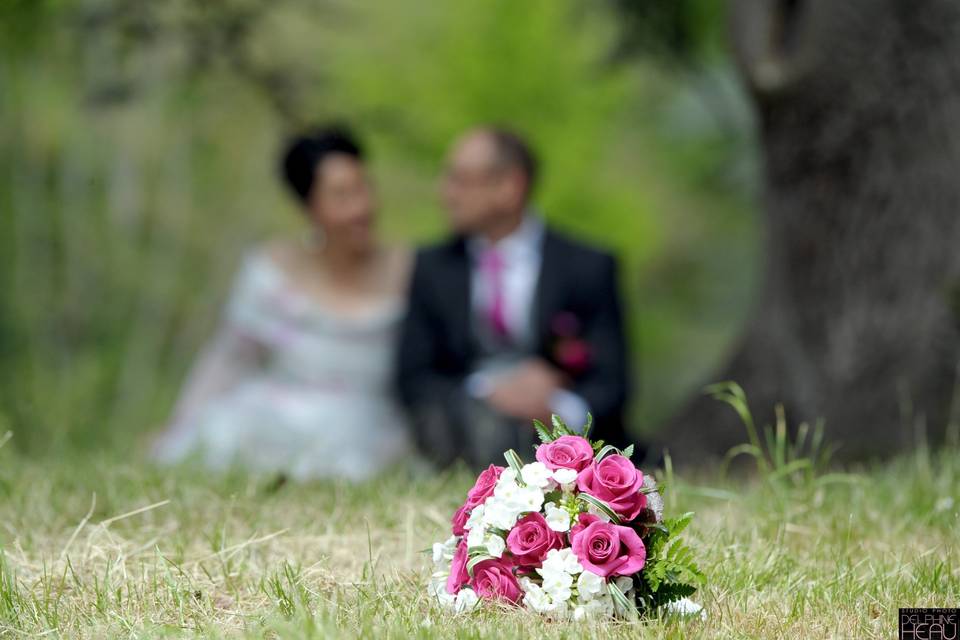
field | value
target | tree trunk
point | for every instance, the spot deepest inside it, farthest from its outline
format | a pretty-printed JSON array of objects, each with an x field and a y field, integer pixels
[{"x": 858, "y": 104}]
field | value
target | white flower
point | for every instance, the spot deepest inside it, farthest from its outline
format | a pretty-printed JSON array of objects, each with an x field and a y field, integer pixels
[
  {"x": 534, "y": 597},
  {"x": 590, "y": 586},
  {"x": 443, "y": 552},
  {"x": 536, "y": 474},
  {"x": 500, "y": 514},
  {"x": 507, "y": 485},
  {"x": 557, "y": 585},
  {"x": 551, "y": 564},
  {"x": 508, "y": 503},
  {"x": 505, "y": 491},
  {"x": 624, "y": 583},
  {"x": 495, "y": 545},
  {"x": 565, "y": 477},
  {"x": 507, "y": 476},
  {"x": 437, "y": 587},
  {"x": 686, "y": 607},
  {"x": 476, "y": 517},
  {"x": 560, "y": 561},
  {"x": 438, "y": 583},
  {"x": 539, "y": 600},
  {"x": 530, "y": 499},
  {"x": 476, "y": 537},
  {"x": 466, "y": 600},
  {"x": 508, "y": 490},
  {"x": 596, "y": 608},
  {"x": 558, "y": 518},
  {"x": 568, "y": 560}
]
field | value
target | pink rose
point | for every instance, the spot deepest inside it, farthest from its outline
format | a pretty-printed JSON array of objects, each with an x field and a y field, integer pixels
[
  {"x": 531, "y": 539},
  {"x": 458, "y": 569},
  {"x": 584, "y": 521},
  {"x": 573, "y": 355},
  {"x": 493, "y": 580},
  {"x": 609, "y": 550},
  {"x": 566, "y": 452},
  {"x": 617, "y": 482},
  {"x": 484, "y": 486},
  {"x": 459, "y": 520}
]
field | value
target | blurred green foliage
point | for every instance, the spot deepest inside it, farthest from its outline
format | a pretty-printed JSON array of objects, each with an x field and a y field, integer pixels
[
  {"x": 683, "y": 32},
  {"x": 139, "y": 163}
]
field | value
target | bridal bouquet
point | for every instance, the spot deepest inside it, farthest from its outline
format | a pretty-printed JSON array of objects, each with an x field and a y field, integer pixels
[{"x": 579, "y": 533}]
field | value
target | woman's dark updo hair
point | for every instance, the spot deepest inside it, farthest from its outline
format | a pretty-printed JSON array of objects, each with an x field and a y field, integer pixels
[{"x": 304, "y": 153}]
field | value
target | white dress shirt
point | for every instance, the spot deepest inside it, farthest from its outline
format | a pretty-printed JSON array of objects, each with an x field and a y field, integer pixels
[{"x": 521, "y": 254}]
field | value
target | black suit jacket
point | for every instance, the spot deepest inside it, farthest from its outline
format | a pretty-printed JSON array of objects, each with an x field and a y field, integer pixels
[{"x": 437, "y": 348}]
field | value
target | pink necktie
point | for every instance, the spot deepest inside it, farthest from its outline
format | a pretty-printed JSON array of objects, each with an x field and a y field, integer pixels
[{"x": 491, "y": 264}]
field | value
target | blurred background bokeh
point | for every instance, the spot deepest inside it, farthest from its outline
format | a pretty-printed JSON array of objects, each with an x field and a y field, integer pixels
[{"x": 140, "y": 145}]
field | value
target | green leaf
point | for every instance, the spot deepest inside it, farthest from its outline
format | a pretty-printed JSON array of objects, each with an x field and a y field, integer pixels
[
  {"x": 601, "y": 505},
  {"x": 676, "y": 525},
  {"x": 515, "y": 463},
  {"x": 672, "y": 592},
  {"x": 588, "y": 427},
  {"x": 622, "y": 602},
  {"x": 559, "y": 426},
  {"x": 553, "y": 496},
  {"x": 541, "y": 429},
  {"x": 628, "y": 452},
  {"x": 733, "y": 394},
  {"x": 475, "y": 560},
  {"x": 648, "y": 490},
  {"x": 607, "y": 450},
  {"x": 675, "y": 565}
]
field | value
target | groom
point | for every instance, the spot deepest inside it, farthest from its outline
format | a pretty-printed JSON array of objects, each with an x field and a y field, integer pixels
[{"x": 508, "y": 320}]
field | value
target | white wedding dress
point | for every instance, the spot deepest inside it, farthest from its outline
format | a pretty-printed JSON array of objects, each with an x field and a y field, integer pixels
[{"x": 286, "y": 386}]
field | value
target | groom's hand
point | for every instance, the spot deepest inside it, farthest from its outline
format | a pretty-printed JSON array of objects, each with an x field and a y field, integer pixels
[{"x": 526, "y": 391}]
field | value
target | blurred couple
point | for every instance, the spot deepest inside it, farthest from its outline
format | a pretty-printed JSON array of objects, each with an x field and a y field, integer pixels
[{"x": 342, "y": 356}]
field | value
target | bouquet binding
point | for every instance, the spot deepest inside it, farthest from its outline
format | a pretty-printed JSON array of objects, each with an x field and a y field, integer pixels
[{"x": 579, "y": 533}]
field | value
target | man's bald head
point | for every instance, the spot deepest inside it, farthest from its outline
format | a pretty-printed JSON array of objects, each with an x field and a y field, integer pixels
[
  {"x": 510, "y": 151},
  {"x": 490, "y": 175}
]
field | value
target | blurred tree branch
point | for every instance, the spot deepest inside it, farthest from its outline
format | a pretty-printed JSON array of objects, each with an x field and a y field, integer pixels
[{"x": 193, "y": 38}]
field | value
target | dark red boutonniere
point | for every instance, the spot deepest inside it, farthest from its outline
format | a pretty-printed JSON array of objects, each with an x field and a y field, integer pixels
[{"x": 570, "y": 352}]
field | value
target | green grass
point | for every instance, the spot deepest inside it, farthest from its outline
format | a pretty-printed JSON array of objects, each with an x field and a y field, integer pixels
[{"x": 109, "y": 547}]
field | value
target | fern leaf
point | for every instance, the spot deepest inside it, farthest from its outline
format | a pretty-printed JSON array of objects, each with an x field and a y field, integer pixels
[
  {"x": 560, "y": 428},
  {"x": 542, "y": 432}
]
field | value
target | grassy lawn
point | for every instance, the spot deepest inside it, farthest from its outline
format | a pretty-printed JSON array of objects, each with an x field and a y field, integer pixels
[{"x": 109, "y": 547}]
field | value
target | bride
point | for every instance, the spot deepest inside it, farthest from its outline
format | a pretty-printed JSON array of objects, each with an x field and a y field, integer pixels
[{"x": 297, "y": 378}]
